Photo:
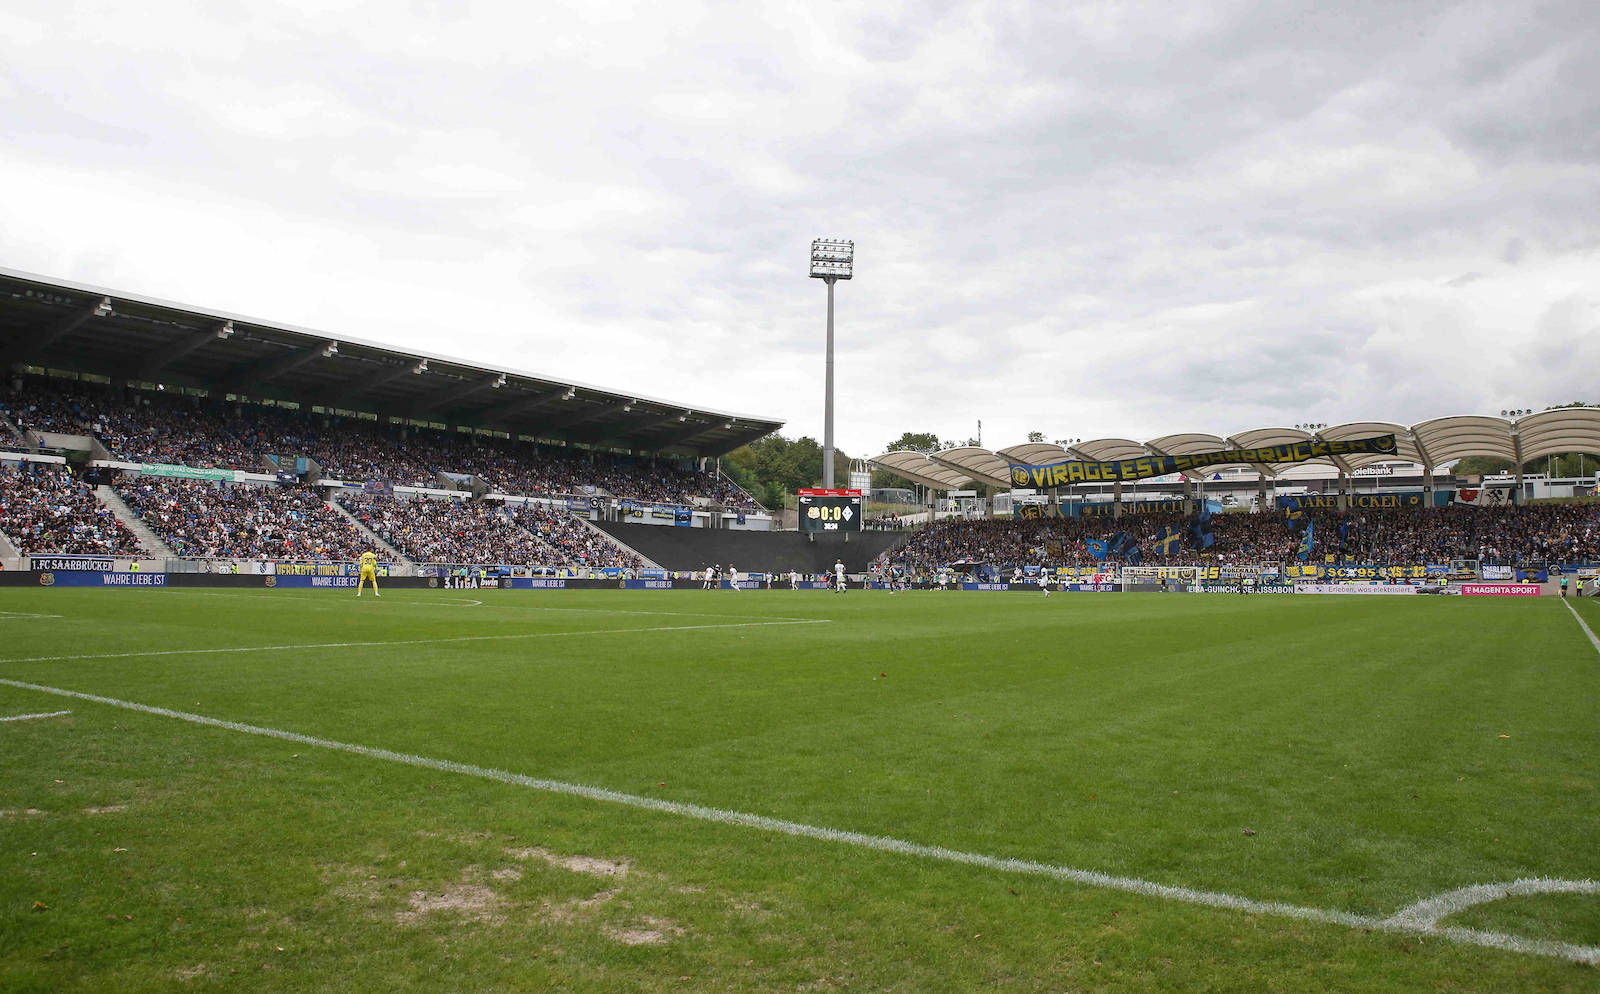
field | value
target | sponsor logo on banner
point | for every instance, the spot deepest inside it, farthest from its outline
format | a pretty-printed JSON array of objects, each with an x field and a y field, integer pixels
[
  {"x": 1087, "y": 471},
  {"x": 76, "y": 579},
  {"x": 1498, "y": 572},
  {"x": 333, "y": 581},
  {"x": 71, "y": 564},
  {"x": 272, "y": 581},
  {"x": 1500, "y": 590},
  {"x": 1369, "y": 589}
]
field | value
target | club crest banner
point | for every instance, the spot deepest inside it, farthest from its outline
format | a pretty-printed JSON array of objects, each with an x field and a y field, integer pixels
[{"x": 1086, "y": 471}]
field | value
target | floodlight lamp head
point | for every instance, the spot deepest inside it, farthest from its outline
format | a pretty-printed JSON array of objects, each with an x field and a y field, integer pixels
[
  {"x": 499, "y": 382},
  {"x": 331, "y": 350},
  {"x": 421, "y": 367},
  {"x": 832, "y": 259},
  {"x": 225, "y": 331}
]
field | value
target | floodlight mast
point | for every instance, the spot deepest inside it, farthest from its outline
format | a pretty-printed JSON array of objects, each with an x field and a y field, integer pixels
[{"x": 831, "y": 259}]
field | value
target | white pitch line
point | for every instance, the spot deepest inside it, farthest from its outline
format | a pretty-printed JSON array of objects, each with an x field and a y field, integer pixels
[
  {"x": 1589, "y": 955},
  {"x": 435, "y": 641},
  {"x": 23, "y": 616},
  {"x": 1582, "y": 624},
  {"x": 30, "y": 717},
  {"x": 504, "y": 607},
  {"x": 1428, "y": 913}
]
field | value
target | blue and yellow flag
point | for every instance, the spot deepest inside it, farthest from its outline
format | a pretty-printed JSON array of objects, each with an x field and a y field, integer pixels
[
  {"x": 1307, "y": 542},
  {"x": 1169, "y": 541}
]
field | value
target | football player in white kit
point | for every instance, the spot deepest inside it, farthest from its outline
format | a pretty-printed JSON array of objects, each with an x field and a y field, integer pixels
[
  {"x": 838, "y": 576},
  {"x": 794, "y": 580},
  {"x": 733, "y": 576},
  {"x": 710, "y": 572},
  {"x": 1044, "y": 582}
]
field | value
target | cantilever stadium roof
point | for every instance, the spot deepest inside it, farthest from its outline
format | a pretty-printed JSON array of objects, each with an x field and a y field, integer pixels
[
  {"x": 87, "y": 329},
  {"x": 1431, "y": 443}
]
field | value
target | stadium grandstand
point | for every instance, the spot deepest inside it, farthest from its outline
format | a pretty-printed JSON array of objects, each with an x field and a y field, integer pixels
[{"x": 160, "y": 433}]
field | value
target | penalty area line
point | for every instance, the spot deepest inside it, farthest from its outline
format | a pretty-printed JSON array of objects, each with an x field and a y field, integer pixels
[
  {"x": 387, "y": 642},
  {"x": 1412, "y": 921}
]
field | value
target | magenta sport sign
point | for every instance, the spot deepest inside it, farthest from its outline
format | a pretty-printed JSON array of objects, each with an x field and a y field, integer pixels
[{"x": 1500, "y": 589}]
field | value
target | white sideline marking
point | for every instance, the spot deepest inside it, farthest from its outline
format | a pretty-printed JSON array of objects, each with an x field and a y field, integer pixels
[
  {"x": 1417, "y": 922},
  {"x": 23, "y": 616},
  {"x": 505, "y": 607},
  {"x": 1582, "y": 624},
  {"x": 30, "y": 717},
  {"x": 437, "y": 641}
]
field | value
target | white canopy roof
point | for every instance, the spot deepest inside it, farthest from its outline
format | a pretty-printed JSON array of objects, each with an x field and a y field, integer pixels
[{"x": 1431, "y": 443}]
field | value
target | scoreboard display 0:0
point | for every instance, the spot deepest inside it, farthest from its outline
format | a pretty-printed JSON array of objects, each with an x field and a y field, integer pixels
[{"x": 830, "y": 512}]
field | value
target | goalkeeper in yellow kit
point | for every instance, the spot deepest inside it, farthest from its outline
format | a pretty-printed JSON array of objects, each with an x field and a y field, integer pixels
[{"x": 369, "y": 571}]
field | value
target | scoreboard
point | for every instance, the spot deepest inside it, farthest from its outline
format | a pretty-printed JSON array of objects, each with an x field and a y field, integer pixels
[{"x": 830, "y": 510}]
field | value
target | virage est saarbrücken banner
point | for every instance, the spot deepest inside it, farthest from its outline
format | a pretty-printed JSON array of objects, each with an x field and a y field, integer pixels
[{"x": 1089, "y": 471}]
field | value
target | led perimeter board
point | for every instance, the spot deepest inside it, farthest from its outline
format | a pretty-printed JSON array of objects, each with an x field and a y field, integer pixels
[{"x": 830, "y": 510}]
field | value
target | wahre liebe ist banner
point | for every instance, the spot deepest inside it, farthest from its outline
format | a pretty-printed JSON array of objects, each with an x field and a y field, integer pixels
[{"x": 1087, "y": 471}]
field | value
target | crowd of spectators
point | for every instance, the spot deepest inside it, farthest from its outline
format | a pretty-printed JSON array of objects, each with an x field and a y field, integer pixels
[
  {"x": 1502, "y": 536},
  {"x": 445, "y": 530},
  {"x": 575, "y": 544},
  {"x": 1554, "y": 533},
  {"x": 200, "y": 519},
  {"x": 46, "y": 510},
  {"x": 183, "y": 429}
]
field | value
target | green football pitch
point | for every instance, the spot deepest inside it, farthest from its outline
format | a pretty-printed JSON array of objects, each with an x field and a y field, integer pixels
[{"x": 775, "y": 790}]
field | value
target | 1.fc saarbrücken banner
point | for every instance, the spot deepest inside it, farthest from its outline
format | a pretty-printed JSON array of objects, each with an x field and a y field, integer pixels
[{"x": 1085, "y": 471}]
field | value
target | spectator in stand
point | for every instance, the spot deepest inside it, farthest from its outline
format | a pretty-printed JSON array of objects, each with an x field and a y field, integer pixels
[
  {"x": 49, "y": 511},
  {"x": 204, "y": 520},
  {"x": 153, "y": 427}
]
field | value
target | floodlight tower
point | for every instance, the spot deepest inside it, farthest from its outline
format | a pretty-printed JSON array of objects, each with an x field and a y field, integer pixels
[{"x": 831, "y": 259}]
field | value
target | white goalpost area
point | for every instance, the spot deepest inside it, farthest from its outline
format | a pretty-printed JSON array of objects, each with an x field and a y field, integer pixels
[{"x": 1177, "y": 577}]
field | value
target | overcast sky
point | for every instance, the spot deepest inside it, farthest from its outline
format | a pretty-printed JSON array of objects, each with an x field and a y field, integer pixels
[{"x": 1090, "y": 220}]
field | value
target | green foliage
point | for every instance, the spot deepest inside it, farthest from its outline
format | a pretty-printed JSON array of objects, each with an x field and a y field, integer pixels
[
  {"x": 774, "y": 467},
  {"x": 1482, "y": 466},
  {"x": 1567, "y": 465},
  {"x": 915, "y": 441}
]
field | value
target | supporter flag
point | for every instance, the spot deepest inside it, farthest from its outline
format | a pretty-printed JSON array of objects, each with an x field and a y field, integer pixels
[
  {"x": 1296, "y": 519},
  {"x": 1097, "y": 548},
  {"x": 1133, "y": 556},
  {"x": 1169, "y": 541},
  {"x": 1200, "y": 532},
  {"x": 1307, "y": 542},
  {"x": 1344, "y": 532},
  {"x": 1054, "y": 548}
]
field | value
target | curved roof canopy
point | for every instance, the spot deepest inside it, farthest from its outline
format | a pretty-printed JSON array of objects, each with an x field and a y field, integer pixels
[{"x": 1431, "y": 443}]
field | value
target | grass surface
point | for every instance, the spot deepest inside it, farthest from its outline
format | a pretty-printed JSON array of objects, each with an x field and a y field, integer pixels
[{"x": 1378, "y": 750}]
